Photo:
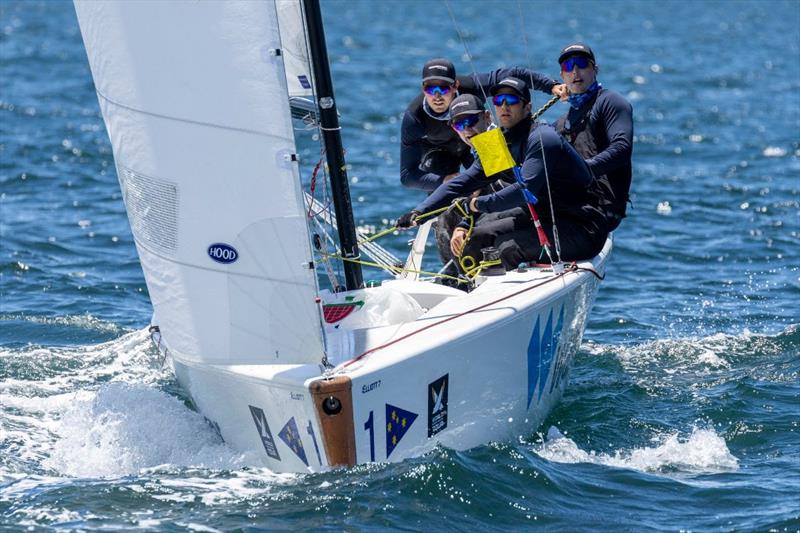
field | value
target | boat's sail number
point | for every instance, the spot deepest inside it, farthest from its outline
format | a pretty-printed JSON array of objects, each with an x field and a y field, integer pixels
[{"x": 223, "y": 253}]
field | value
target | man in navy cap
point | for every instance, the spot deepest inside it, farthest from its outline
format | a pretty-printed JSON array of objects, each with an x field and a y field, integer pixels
[
  {"x": 430, "y": 151},
  {"x": 599, "y": 125},
  {"x": 551, "y": 169}
]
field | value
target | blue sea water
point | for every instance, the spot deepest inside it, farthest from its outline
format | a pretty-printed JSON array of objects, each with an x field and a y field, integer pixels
[{"x": 683, "y": 411}]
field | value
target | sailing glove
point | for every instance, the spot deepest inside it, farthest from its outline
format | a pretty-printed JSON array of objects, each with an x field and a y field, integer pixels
[
  {"x": 408, "y": 220},
  {"x": 461, "y": 206}
]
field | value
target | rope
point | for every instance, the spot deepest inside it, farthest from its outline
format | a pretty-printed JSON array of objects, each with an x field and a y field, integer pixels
[
  {"x": 550, "y": 103},
  {"x": 396, "y": 269}
]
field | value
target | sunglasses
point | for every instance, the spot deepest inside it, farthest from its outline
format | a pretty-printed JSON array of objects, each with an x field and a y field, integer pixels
[
  {"x": 467, "y": 122},
  {"x": 510, "y": 99},
  {"x": 576, "y": 61},
  {"x": 437, "y": 89}
]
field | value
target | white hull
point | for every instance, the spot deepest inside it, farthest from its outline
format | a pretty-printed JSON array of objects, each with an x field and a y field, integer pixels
[{"x": 502, "y": 353}]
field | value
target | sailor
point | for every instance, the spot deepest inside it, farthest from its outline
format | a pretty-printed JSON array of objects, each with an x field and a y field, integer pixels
[
  {"x": 430, "y": 151},
  {"x": 599, "y": 125},
  {"x": 559, "y": 171}
]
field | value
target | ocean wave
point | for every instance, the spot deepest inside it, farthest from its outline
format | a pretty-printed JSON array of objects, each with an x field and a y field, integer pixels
[
  {"x": 84, "y": 321},
  {"x": 703, "y": 451},
  {"x": 718, "y": 356},
  {"x": 125, "y": 428}
]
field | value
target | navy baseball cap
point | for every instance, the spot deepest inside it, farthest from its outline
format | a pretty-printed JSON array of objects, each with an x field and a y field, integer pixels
[
  {"x": 519, "y": 87},
  {"x": 576, "y": 49},
  {"x": 439, "y": 70},
  {"x": 465, "y": 104}
]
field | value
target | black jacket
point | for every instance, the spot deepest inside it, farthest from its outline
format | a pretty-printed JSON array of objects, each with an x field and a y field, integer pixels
[
  {"x": 602, "y": 133},
  {"x": 430, "y": 149},
  {"x": 558, "y": 163}
]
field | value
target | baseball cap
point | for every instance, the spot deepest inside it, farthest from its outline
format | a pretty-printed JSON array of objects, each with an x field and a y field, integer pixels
[
  {"x": 439, "y": 70},
  {"x": 576, "y": 49},
  {"x": 519, "y": 87},
  {"x": 465, "y": 104}
]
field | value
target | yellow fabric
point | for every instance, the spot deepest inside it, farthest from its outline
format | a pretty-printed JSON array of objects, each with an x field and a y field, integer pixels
[{"x": 493, "y": 151}]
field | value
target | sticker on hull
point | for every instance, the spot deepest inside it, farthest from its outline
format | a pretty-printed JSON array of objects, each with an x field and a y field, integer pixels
[
  {"x": 541, "y": 350},
  {"x": 264, "y": 432},
  {"x": 437, "y": 405},
  {"x": 291, "y": 436},
  {"x": 398, "y": 422}
]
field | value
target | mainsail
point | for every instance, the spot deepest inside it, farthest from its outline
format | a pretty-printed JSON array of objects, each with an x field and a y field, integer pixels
[{"x": 195, "y": 99}]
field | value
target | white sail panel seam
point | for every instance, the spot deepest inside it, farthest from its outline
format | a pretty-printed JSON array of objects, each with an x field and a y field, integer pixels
[
  {"x": 188, "y": 121},
  {"x": 193, "y": 265}
]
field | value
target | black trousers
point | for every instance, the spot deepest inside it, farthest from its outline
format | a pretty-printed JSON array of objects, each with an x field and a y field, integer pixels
[{"x": 514, "y": 235}]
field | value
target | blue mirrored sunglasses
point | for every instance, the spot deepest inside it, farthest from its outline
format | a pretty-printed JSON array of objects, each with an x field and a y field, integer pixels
[
  {"x": 436, "y": 89},
  {"x": 467, "y": 122},
  {"x": 575, "y": 61},
  {"x": 510, "y": 99}
]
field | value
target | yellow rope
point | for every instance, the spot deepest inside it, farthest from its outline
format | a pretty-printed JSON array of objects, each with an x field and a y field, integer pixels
[
  {"x": 399, "y": 270},
  {"x": 395, "y": 228},
  {"x": 393, "y": 268}
]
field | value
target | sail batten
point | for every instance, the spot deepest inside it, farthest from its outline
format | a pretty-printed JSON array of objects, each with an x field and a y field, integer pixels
[{"x": 201, "y": 129}]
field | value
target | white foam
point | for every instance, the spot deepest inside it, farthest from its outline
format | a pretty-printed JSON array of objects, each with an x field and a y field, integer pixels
[
  {"x": 125, "y": 428},
  {"x": 774, "y": 151},
  {"x": 702, "y": 452}
]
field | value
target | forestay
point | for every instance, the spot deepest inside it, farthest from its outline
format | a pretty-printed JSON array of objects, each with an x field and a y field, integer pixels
[{"x": 195, "y": 101}]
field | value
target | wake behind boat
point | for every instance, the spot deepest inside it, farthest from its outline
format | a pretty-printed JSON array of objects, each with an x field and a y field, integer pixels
[{"x": 198, "y": 100}]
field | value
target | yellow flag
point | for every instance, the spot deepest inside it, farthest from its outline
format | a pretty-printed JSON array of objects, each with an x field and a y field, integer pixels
[{"x": 493, "y": 151}]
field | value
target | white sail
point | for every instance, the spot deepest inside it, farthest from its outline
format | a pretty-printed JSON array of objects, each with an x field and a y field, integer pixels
[
  {"x": 201, "y": 130},
  {"x": 295, "y": 53}
]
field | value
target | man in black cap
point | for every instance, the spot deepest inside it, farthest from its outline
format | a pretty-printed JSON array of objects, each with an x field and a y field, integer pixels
[
  {"x": 599, "y": 125},
  {"x": 430, "y": 150},
  {"x": 562, "y": 173}
]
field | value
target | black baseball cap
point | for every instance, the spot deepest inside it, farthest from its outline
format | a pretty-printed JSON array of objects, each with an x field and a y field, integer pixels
[
  {"x": 519, "y": 87},
  {"x": 439, "y": 70},
  {"x": 576, "y": 49},
  {"x": 465, "y": 104}
]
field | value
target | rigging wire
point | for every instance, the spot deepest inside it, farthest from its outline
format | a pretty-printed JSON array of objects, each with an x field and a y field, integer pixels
[
  {"x": 326, "y": 195},
  {"x": 469, "y": 58},
  {"x": 526, "y": 48},
  {"x": 556, "y": 241}
]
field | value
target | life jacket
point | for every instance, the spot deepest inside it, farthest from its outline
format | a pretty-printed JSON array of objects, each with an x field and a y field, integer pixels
[
  {"x": 581, "y": 129},
  {"x": 444, "y": 153},
  {"x": 568, "y": 201}
]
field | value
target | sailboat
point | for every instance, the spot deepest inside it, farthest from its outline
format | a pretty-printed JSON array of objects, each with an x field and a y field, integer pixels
[{"x": 198, "y": 99}]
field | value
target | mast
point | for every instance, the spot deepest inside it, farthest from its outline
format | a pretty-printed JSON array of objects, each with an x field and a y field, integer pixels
[{"x": 331, "y": 135}]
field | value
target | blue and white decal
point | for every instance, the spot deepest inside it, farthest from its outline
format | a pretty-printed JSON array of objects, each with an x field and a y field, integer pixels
[
  {"x": 263, "y": 431},
  {"x": 223, "y": 253},
  {"x": 541, "y": 349},
  {"x": 291, "y": 436},
  {"x": 398, "y": 422}
]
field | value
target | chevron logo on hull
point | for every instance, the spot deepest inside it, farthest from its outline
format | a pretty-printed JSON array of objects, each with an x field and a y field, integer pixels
[{"x": 541, "y": 349}]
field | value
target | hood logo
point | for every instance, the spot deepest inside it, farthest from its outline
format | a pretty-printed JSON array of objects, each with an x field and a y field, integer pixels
[{"x": 223, "y": 253}]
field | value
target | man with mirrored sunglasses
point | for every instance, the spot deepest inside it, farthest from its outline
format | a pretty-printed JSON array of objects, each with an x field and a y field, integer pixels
[
  {"x": 599, "y": 124},
  {"x": 544, "y": 157},
  {"x": 430, "y": 151}
]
